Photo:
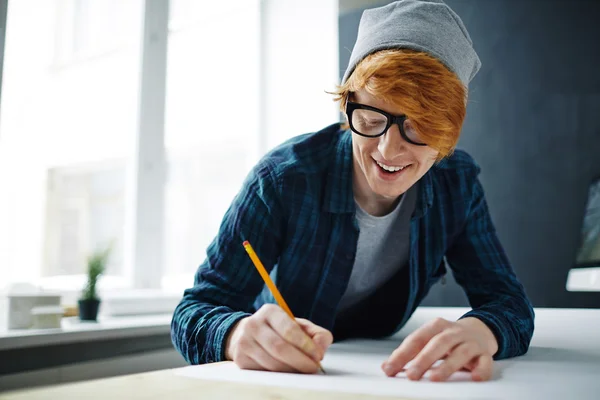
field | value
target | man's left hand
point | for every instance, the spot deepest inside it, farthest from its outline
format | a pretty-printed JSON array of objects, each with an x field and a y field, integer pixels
[{"x": 467, "y": 344}]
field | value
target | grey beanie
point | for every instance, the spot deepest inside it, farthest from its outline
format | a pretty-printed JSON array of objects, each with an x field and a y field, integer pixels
[{"x": 428, "y": 25}]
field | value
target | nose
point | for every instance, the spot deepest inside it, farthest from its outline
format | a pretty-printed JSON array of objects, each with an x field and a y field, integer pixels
[{"x": 391, "y": 143}]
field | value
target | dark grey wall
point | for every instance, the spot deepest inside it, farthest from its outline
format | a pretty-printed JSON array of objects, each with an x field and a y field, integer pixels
[{"x": 533, "y": 124}]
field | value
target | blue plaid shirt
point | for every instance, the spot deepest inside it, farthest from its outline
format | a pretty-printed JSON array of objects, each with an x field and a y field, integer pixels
[{"x": 296, "y": 207}]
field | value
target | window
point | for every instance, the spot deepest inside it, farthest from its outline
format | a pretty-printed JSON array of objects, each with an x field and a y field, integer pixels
[
  {"x": 211, "y": 130},
  {"x": 85, "y": 207},
  {"x": 237, "y": 73},
  {"x": 87, "y": 29},
  {"x": 242, "y": 77},
  {"x": 68, "y": 118}
]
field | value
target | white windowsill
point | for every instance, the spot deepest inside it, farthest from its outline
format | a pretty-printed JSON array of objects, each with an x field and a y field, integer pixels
[{"x": 74, "y": 330}]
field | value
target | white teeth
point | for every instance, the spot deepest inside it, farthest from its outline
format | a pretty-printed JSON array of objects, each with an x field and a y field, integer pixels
[{"x": 390, "y": 169}]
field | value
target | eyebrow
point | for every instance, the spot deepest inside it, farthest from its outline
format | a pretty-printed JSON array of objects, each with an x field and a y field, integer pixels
[{"x": 379, "y": 109}]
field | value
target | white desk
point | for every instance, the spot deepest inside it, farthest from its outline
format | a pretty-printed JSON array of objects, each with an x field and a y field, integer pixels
[{"x": 563, "y": 363}]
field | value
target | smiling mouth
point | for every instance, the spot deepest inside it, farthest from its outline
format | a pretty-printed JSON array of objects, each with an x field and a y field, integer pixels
[{"x": 390, "y": 169}]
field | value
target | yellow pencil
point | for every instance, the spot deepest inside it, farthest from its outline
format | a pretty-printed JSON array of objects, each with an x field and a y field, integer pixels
[{"x": 270, "y": 284}]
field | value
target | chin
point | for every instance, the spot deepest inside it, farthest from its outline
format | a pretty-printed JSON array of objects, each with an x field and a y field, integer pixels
[
  {"x": 391, "y": 196},
  {"x": 387, "y": 193}
]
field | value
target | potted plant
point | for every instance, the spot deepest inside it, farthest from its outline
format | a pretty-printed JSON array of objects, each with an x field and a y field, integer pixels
[{"x": 90, "y": 302}]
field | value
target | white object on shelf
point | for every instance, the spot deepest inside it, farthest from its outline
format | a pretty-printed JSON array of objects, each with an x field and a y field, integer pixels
[
  {"x": 47, "y": 317},
  {"x": 584, "y": 280},
  {"x": 21, "y": 304}
]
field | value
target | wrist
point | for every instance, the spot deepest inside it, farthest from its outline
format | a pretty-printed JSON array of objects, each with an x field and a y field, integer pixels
[
  {"x": 483, "y": 331},
  {"x": 231, "y": 340}
]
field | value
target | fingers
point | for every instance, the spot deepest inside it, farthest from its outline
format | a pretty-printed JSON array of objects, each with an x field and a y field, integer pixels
[
  {"x": 271, "y": 340},
  {"x": 283, "y": 356},
  {"x": 321, "y": 336},
  {"x": 289, "y": 330},
  {"x": 438, "y": 347},
  {"x": 459, "y": 357},
  {"x": 412, "y": 345},
  {"x": 459, "y": 346},
  {"x": 245, "y": 362},
  {"x": 254, "y": 356},
  {"x": 483, "y": 370}
]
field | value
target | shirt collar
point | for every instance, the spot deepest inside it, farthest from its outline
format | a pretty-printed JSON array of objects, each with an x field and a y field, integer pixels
[{"x": 339, "y": 196}]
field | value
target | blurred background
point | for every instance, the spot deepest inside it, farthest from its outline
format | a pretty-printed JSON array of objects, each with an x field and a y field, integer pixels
[
  {"x": 135, "y": 122},
  {"x": 235, "y": 77}
]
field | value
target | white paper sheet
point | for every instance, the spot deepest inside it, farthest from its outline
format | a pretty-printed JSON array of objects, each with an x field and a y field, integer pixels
[
  {"x": 563, "y": 362},
  {"x": 355, "y": 367}
]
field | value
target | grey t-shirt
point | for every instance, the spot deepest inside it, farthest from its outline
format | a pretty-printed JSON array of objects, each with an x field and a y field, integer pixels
[{"x": 382, "y": 250}]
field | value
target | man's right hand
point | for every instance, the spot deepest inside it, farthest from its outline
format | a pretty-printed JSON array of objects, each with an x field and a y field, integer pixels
[{"x": 270, "y": 340}]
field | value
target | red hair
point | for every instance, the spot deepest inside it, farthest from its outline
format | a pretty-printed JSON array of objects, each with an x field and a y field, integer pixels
[{"x": 431, "y": 95}]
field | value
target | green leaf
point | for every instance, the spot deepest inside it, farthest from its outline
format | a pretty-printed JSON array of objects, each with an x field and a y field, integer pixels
[{"x": 96, "y": 265}]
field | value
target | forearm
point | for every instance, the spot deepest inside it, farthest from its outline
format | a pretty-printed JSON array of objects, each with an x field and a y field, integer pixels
[
  {"x": 199, "y": 330},
  {"x": 482, "y": 268},
  {"x": 226, "y": 284},
  {"x": 511, "y": 321}
]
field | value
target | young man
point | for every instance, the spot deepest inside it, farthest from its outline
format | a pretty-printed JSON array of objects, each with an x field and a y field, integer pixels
[{"x": 355, "y": 225}]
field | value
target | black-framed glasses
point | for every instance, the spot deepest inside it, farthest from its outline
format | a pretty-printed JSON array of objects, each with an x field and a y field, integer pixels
[{"x": 372, "y": 122}]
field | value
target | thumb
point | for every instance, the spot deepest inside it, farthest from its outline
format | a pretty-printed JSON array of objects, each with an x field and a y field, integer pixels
[{"x": 321, "y": 336}]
